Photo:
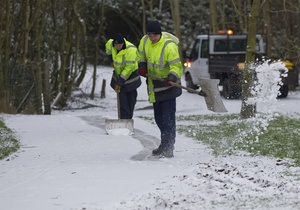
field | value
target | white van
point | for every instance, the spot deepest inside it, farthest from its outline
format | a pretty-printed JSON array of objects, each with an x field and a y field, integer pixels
[{"x": 217, "y": 57}]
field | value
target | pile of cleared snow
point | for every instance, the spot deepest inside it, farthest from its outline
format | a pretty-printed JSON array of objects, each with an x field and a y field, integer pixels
[{"x": 120, "y": 132}]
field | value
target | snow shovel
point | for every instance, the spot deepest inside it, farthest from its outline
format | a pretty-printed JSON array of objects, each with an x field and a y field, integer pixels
[
  {"x": 112, "y": 125},
  {"x": 209, "y": 89},
  {"x": 213, "y": 99}
]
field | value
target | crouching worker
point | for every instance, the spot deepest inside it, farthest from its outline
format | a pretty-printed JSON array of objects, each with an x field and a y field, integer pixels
[
  {"x": 158, "y": 56},
  {"x": 125, "y": 79}
]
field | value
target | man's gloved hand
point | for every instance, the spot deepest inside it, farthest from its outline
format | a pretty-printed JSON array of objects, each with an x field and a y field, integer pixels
[
  {"x": 117, "y": 88},
  {"x": 143, "y": 72},
  {"x": 166, "y": 82},
  {"x": 170, "y": 78}
]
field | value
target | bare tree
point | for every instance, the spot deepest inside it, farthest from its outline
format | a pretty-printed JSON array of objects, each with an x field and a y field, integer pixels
[
  {"x": 3, "y": 25},
  {"x": 213, "y": 16},
  {"x": 96, "y": 40},
  {"x": 37, "y": 35},
  {"x": 268, "y": 27},
  {"x": 144, "y": 16},
  {"x": 175, "y": 12},
  {"x": 151, "y": 9},
  {"x": 81, "y": 23},
  {"x": 4, "y": 49},
  {"x": 248, "y": 110}
]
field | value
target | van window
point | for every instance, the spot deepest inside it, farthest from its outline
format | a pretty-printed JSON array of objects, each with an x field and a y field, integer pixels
[
  {"x": 221, "y": 45},
  {"x": 195, "y": 51},
  {"x": 232, "y": 45},
  {"x": 237, "y": 45},
  {"x": 204, "y": 49}
]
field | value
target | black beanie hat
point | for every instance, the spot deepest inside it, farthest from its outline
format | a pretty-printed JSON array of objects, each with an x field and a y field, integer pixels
[
  {"x": 118, "y": 39},
  {"x": 153, "y": 27}
]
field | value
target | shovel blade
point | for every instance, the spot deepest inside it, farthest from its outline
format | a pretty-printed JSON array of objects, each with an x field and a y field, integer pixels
[
  {"x": 213, "y": 99},
  {"x": 112, "y": 125}
]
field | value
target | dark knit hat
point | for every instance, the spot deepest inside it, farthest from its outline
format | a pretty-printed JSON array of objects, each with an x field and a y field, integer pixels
[
  {"x": 153, "y": 27},
  {"x": 118, "y": 39}
]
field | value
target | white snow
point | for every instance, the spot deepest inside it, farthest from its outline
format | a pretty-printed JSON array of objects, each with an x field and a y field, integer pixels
[{"x": 67, "y": 161}]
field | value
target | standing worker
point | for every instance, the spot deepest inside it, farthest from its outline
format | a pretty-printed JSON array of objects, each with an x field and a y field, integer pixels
[
  {"x": 158, "y": 55},
  {"x": 125, "y": 79}
]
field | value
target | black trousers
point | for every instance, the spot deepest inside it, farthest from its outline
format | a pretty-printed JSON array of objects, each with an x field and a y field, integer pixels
[
  {"x": 164, "y": 114},
  {"x": 127, "y": 104}
]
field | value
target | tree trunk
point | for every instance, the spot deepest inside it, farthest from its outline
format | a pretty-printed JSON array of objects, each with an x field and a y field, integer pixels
[
  {"x": 175, "y": 11},
  {"x": 77, "y": 41},
  {"x": 290, "y": 27},
  {"x": 223, "y": 16},
  {"x": 66, "y": 51},
  {"x": 25, "y": 32},
  {"x": 267, "y": 28},
  {"x": 3, "y": 24},
  {"x": 144, "y": 16},
  {"x": 96, "y": 40},
  {"x": 7, "y": 41},
  {"x": 151, "y": 9},
  {"x": 23, "y": 49},
  {"x": 70, "y": 18},
  {"x": 37, "y": 36},
  {"x": 46, "y": 88},
  {"x": 248, "y": 110},
  {"x": 81, "y": 22},
  {"x": 63, "y": 52},
  {"x": 213, "y": 16},
  {"x": 2, "y": 38}
]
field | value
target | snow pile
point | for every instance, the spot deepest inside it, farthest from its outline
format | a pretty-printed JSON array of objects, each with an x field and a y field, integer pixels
[{"x": 120, "y": 132}]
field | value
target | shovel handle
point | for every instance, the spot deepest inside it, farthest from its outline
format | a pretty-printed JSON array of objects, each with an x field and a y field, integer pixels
[
  {"x": 118, "y": 105},
  {"x": 201, "y": 93}
]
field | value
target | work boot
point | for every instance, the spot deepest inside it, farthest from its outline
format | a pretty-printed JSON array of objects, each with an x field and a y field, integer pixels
[
  {"x": 168, "y": 153},
  {"x": 157, "y": 151}
]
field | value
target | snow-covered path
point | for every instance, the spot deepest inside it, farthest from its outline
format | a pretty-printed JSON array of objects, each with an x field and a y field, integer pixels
[
  {"x": 64, "y": 163},
  {"x": 76, "y": 165}
]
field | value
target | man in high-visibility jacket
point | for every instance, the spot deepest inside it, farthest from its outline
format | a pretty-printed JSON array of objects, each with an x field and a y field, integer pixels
[
  {"x": 125, "y": 79},
  {"x": 158, "y": 55}
]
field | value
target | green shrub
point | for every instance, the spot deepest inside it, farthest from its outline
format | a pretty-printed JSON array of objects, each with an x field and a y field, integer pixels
[{"x": 8, "y": 141}]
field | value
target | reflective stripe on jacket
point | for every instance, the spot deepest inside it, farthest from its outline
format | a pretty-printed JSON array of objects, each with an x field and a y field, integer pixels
[
  {"x": 125, "y": 65},
  {"x": 160, "y": 59}
]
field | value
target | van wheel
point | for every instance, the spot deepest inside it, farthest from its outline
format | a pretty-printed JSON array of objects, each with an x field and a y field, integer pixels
[
  {"x": 230, "y": 90},
  {"x": 189, "y": 82},
  {"x": 284, "y": 90},
  {"x": 226, "y": 93}
]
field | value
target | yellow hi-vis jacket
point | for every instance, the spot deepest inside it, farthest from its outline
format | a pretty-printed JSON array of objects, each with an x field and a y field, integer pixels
[
  {"x": 160, "y": 59},
  {"x": 125, "y": 66}
]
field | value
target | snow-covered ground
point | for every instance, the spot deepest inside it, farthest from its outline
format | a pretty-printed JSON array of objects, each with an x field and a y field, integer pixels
[{"x": 67, "y": 161}]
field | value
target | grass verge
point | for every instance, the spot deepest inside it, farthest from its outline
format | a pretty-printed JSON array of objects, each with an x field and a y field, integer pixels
[
  {"x": 8, "y": 141},
  {"x": 227, "y": 134}
]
